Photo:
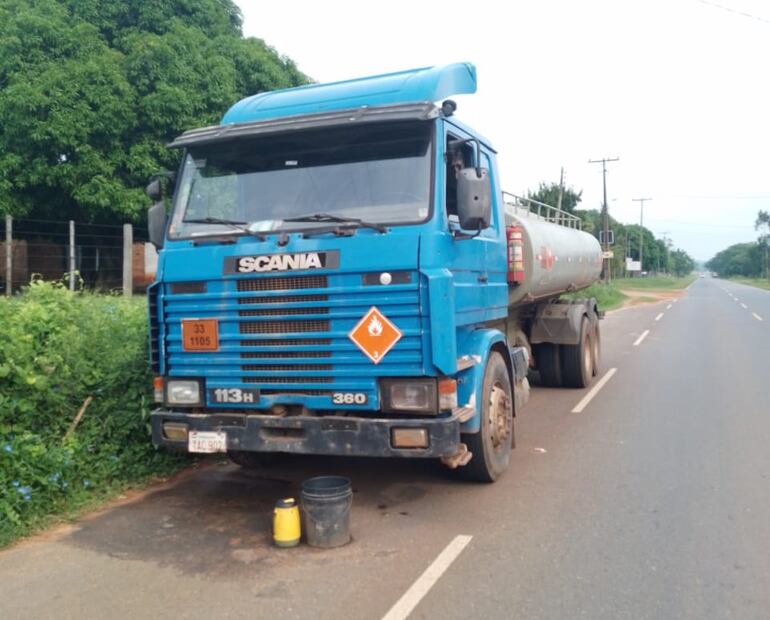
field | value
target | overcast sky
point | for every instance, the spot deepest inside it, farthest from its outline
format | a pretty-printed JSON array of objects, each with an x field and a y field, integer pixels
[{"x": 678, "y": 89}]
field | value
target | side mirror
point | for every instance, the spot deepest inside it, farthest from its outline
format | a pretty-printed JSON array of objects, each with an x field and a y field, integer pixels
[
  {"x": 474, "y": 198},
  {"x": 154, "y": 190},
  {"x": 156, "y": 223}
]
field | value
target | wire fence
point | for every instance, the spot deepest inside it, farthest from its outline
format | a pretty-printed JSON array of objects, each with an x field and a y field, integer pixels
[{"x": 103, "y": 257}]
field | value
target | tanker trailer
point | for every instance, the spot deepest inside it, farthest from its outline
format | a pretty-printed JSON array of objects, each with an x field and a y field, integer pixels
[{"x": 549, "y": 255}]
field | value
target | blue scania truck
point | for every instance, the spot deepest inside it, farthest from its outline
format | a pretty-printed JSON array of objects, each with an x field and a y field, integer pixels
[{"x": 341, "y": 273}]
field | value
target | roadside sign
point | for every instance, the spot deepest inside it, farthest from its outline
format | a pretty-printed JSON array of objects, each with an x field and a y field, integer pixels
[
  {"x": 633, "y": 265},
  {"x": 610, "y": 237},
  {"x": 608, "y": 254}
]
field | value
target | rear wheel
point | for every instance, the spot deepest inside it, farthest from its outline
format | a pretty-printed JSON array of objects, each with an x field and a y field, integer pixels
[
  {"x": 548, "y": 364},
  {"x": 596, "y": 348},
  {"x": 577, "y": 359},
  {"x": 491, "y": 446}
]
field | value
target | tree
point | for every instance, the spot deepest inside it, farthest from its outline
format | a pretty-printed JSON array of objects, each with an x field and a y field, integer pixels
[
  {"x": 763, "y": 225},
  {"x": 741, "y": 259},
  {"x": 681, "y": 263},
  {"x": 548, "y": 193},
  {"x": 91, "y": 91}
]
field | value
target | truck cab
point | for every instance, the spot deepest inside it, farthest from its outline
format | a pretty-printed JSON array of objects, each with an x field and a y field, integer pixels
[{"x": 334, "y": 279}]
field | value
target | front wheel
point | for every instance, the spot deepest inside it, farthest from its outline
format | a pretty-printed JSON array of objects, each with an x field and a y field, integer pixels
[
  {"x": 491, "y": 446},
  {"x": 253, "y": 460}
]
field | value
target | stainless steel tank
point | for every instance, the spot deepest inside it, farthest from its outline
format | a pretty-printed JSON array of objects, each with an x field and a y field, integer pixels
[{"x": 558, "y": 256}]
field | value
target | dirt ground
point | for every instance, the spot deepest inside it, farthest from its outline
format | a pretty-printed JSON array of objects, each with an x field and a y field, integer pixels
[{"x": 641, "y": 296}]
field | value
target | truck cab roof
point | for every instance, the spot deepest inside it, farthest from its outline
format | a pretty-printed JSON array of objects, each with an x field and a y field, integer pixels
[
  {"x": 426, "y": 84},
  {"x": 393, "y": 96}
]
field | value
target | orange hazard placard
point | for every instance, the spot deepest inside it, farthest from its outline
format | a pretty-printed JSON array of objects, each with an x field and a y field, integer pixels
[
  {"x": 375, "y": 335},
  {"x": 200, "y": 335}
]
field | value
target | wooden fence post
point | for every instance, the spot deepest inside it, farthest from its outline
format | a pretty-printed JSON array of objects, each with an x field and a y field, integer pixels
[{"x": 128, "y": 260}]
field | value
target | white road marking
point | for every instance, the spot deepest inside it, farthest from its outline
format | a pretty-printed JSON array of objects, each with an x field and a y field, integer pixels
[
  {"x": 756, "y": 316},
  {"x": 642, "y": 337},
  {"x": 744, "y": 306},
  {"x": 659, "y": 317},
  {"x": 412, "y": 597},
  {"x": 668, "y": 307},
  {"x": 594, "y": 391}
]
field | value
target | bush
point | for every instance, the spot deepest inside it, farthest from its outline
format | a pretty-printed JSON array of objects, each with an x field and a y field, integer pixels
[{"x": 59, "y": 348}]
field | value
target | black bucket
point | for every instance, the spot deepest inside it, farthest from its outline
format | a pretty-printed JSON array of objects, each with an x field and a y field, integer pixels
[{"x": 326, "y": 503}]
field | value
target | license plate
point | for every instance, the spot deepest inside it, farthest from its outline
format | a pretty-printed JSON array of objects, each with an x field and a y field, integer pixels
[
  {"x": 200, "y": 335},
  {"x": 207, "y": 442}
]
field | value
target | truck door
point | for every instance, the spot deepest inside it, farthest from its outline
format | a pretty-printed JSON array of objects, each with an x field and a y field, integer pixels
[{"x": 477, "y": 261}]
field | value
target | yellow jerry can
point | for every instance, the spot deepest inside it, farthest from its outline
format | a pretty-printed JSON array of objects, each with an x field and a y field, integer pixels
[{"x": 286, "y": 528}]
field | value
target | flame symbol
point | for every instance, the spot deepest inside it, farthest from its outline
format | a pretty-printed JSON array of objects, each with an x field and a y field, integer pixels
[{"x": 375, "y": 327}]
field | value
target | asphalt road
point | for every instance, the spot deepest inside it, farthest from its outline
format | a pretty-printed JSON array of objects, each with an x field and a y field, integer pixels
[{"x": 652, "y": 502}]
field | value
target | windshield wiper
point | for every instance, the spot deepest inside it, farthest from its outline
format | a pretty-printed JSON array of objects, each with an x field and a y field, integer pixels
[
  {"x": 238, "y": 225},
  {"x": 327, "y": 217}
]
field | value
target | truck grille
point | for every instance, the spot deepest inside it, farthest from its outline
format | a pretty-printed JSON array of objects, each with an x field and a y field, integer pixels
[
  {"x": 265, "y": 341},
  {"x": 284, "y": 327},
  {"x": 283, "y": 283},
  {"x": 283, "y": 311}
]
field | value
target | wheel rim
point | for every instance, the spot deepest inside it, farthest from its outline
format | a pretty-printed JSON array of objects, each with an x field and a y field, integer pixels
[{"x": 500, "y": 420}]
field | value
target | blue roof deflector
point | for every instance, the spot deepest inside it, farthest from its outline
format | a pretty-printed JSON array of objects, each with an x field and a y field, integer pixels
[{"x": 425, "y": 84}]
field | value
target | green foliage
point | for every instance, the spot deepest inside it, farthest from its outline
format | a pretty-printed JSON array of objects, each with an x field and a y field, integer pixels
[
  {"x": 755, "y": 282},
  {"x": 548, "y": 193},
  {"x": 749, "y": 260},
  {"x": 656, "y": 282},
  {"x": 763, "y": 226},
  {"x": 608, "y": 296},
  {"x": 680, "y": 263},
  {"x": 656, "y": 254},
  {"x": 91, "y": 91},
  {"x": 741, "y": 259},
  {"x": 59, "y": 348}
]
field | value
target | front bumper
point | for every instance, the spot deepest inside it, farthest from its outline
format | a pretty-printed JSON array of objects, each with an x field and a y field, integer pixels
[{"x": 337, "y": 435}]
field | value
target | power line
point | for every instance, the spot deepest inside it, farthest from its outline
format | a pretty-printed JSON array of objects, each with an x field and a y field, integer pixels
[{"x": 735, "y": 11}]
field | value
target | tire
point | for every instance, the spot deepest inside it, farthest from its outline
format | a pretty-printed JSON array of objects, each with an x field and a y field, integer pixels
[
  {"x": 548, "y": 363},
  {"x": 253, "y": 460},
  {"x": 577, "y": 359},
  {"x": 596, "y": 348},
  {"x": 491, "y": 446}
]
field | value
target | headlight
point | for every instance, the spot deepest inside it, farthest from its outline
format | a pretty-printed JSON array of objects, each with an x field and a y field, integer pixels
[
  {"x": 183, "y": 392},
  {"x": 409, "y": 395}
]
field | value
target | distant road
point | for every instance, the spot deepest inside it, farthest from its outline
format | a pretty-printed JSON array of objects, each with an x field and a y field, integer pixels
[{"x": 651, "y": 500}]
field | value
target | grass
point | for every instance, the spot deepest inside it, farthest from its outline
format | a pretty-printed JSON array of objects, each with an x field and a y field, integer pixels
[
  {"x": 608, "y": 296},
  {"x": 655, "y": 282},
  {"x": 755, "y": 282}
]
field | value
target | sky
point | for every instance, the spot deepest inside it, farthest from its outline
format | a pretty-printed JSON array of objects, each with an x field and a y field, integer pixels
[{"x": 677, "y": 89}]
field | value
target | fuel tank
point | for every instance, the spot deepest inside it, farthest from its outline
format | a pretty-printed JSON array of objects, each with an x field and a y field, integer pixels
[{"x": 558, "y": 256}]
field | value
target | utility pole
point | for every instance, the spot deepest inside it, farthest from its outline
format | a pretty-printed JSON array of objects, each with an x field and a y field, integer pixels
[
  {"x": 667, "y": 243},
  {"x": 605, "y": 215},
  {"x": 561, "y": 188},
  {"x": 641, "y": 201}
]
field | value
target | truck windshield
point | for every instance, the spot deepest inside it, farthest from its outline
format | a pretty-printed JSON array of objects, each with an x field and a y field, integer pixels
[{"x": 378, "y": 173}]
